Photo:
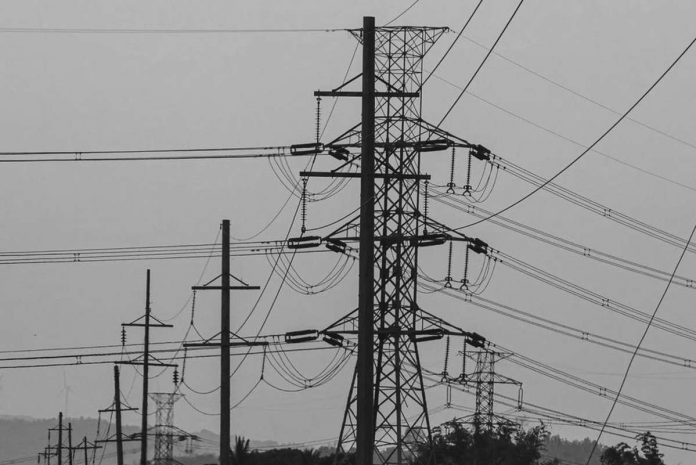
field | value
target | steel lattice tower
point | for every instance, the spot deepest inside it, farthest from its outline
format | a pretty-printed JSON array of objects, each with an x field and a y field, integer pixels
[
  {"x": 391, "y": 138},
  {"x": 164, "y": 427},
  {"x": 484, "y": 378},
  {"x": 400, "y": 409}
]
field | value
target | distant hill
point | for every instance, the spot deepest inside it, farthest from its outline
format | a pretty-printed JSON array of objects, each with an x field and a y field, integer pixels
[{"x": 23, "y": 437}]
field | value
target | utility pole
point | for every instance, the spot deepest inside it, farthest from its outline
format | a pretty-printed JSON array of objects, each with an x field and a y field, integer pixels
[
  {"x": 117, "y": 409},
  {"x": 58, "y": 449},
  {"x": 117, "y": 406},
  {"x": 70, "y": 448},
  {"x": 146, "y": 365},
  {"x": 225, "y": 346},
  {"x": 60, "y": 438},
  {"x": 225, "y": 333},
  {"x": 85, "y": 445},
  {"x": 145, "y": 321},
  {"x": 366, "y": 305}
]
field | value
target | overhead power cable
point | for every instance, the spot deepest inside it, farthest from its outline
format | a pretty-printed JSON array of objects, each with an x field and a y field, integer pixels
[
  {"x": 473, "y": 76},
  {"x": 408, "y": 8},
  {"x": 77, "y": 30},
  {"x": 638, "y": 345},
  {"x": 581, "y": 95},
  {"x": 80, "y": 157},
  {"x": 587, "y": 203},
  {"x": 164, "y": 252},
  {"x": 114, "y": 359},
  {"x": 449, "y": 49},
  {"x": 592, "y": 297},
  {"x": 459, "y": 204},
  {"x": 564, "y": 329},
  {"x": 143, "y": 151},
  {"x": 593, "y": 144},
  {"x": 544, "y": 413},
  {"x": 567, "y": 138}
]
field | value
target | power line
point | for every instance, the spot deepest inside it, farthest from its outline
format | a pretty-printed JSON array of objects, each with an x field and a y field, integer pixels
[
  {"x": 163, "y": 252},
  {"x": 563, "y": 329},
  {"x": 560, "y": 242},
  {"x": 449, "y": 49},
  {"x": 473, "y": 76},
  {"x": 135, "y": 151},
  {"x": 591, "y": 146},
  {"x": 587, "y": 203},
  {"x": 640, "y": 342},
  {"x": 79, "y": 158},
  {"x": 566, "y": 138},
  {"x": 582, "y": 96},
  {"x": 47, "y": 30},
  {"x": 408, "y": 8},
  {"x": 182, "y": 357}
]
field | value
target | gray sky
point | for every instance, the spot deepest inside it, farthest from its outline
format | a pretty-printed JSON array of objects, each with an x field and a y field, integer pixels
[{"x": 137, "y": 91}]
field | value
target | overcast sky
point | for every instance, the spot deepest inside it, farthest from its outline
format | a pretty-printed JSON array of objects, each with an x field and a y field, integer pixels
[{"x": 86, "y": 91}]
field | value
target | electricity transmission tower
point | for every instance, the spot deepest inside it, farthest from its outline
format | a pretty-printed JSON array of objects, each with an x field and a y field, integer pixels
[
  {"x": 484, "y": 378},
  {"x": 164, "y": 427},
  {"x": 386, "y": 414}
]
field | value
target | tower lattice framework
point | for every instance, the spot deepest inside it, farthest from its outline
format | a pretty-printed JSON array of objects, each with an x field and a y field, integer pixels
[
  {"x": 401, "y": 414},
  {"x": 484, "y": 378},
  {"x": 164, "y": 427}
]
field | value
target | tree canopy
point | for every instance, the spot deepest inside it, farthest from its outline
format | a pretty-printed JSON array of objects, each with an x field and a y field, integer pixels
[{"x": 623, "y": 454}]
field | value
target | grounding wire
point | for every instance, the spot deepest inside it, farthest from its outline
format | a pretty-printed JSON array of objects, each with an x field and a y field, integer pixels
[
  {"x": 408, "y": 8},
  {"x": 473, "y": 76},
  {"x": 582, "y": 96},
  {"x": 566, "y": 138},
  {"x": 449, "y": 49}
]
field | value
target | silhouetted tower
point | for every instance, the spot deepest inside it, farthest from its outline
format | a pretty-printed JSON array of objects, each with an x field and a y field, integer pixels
[
  {"x": 164, "y": 427},
  {"x": 386, "y": 413},
  {"x": 484, "y": 378}
]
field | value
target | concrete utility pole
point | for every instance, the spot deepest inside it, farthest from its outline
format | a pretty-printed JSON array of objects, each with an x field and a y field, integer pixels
[
  {"x": 225, "y": 346},
  {"x": 146, "y": 365},
  {"x": 70, "y": 448},
  {"x": 84, "y": 449},
  {"x": 225, "y": 287},
  {"x": 146, "y": 321},
  {"x": 365, "y": 363},
  {"x": 60, "y": 438},
  {"x": 117, "y": 407}
]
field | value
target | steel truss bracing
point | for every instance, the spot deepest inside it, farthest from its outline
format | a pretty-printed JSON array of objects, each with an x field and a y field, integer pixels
[
  {"x": 483, "y": 379},
  {"x": 400, "y": 410},
  {"x": 164, "y": 427},
  {"x": 391, "y": 406}
]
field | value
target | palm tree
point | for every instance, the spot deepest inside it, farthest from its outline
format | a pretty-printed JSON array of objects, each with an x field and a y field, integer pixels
[{"x": 240, "y": 454}]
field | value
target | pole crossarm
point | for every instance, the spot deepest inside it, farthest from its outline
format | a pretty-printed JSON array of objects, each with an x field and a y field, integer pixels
[
  {"x": 151, "y": 361},
  {"x": 124, "y": 438}
]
